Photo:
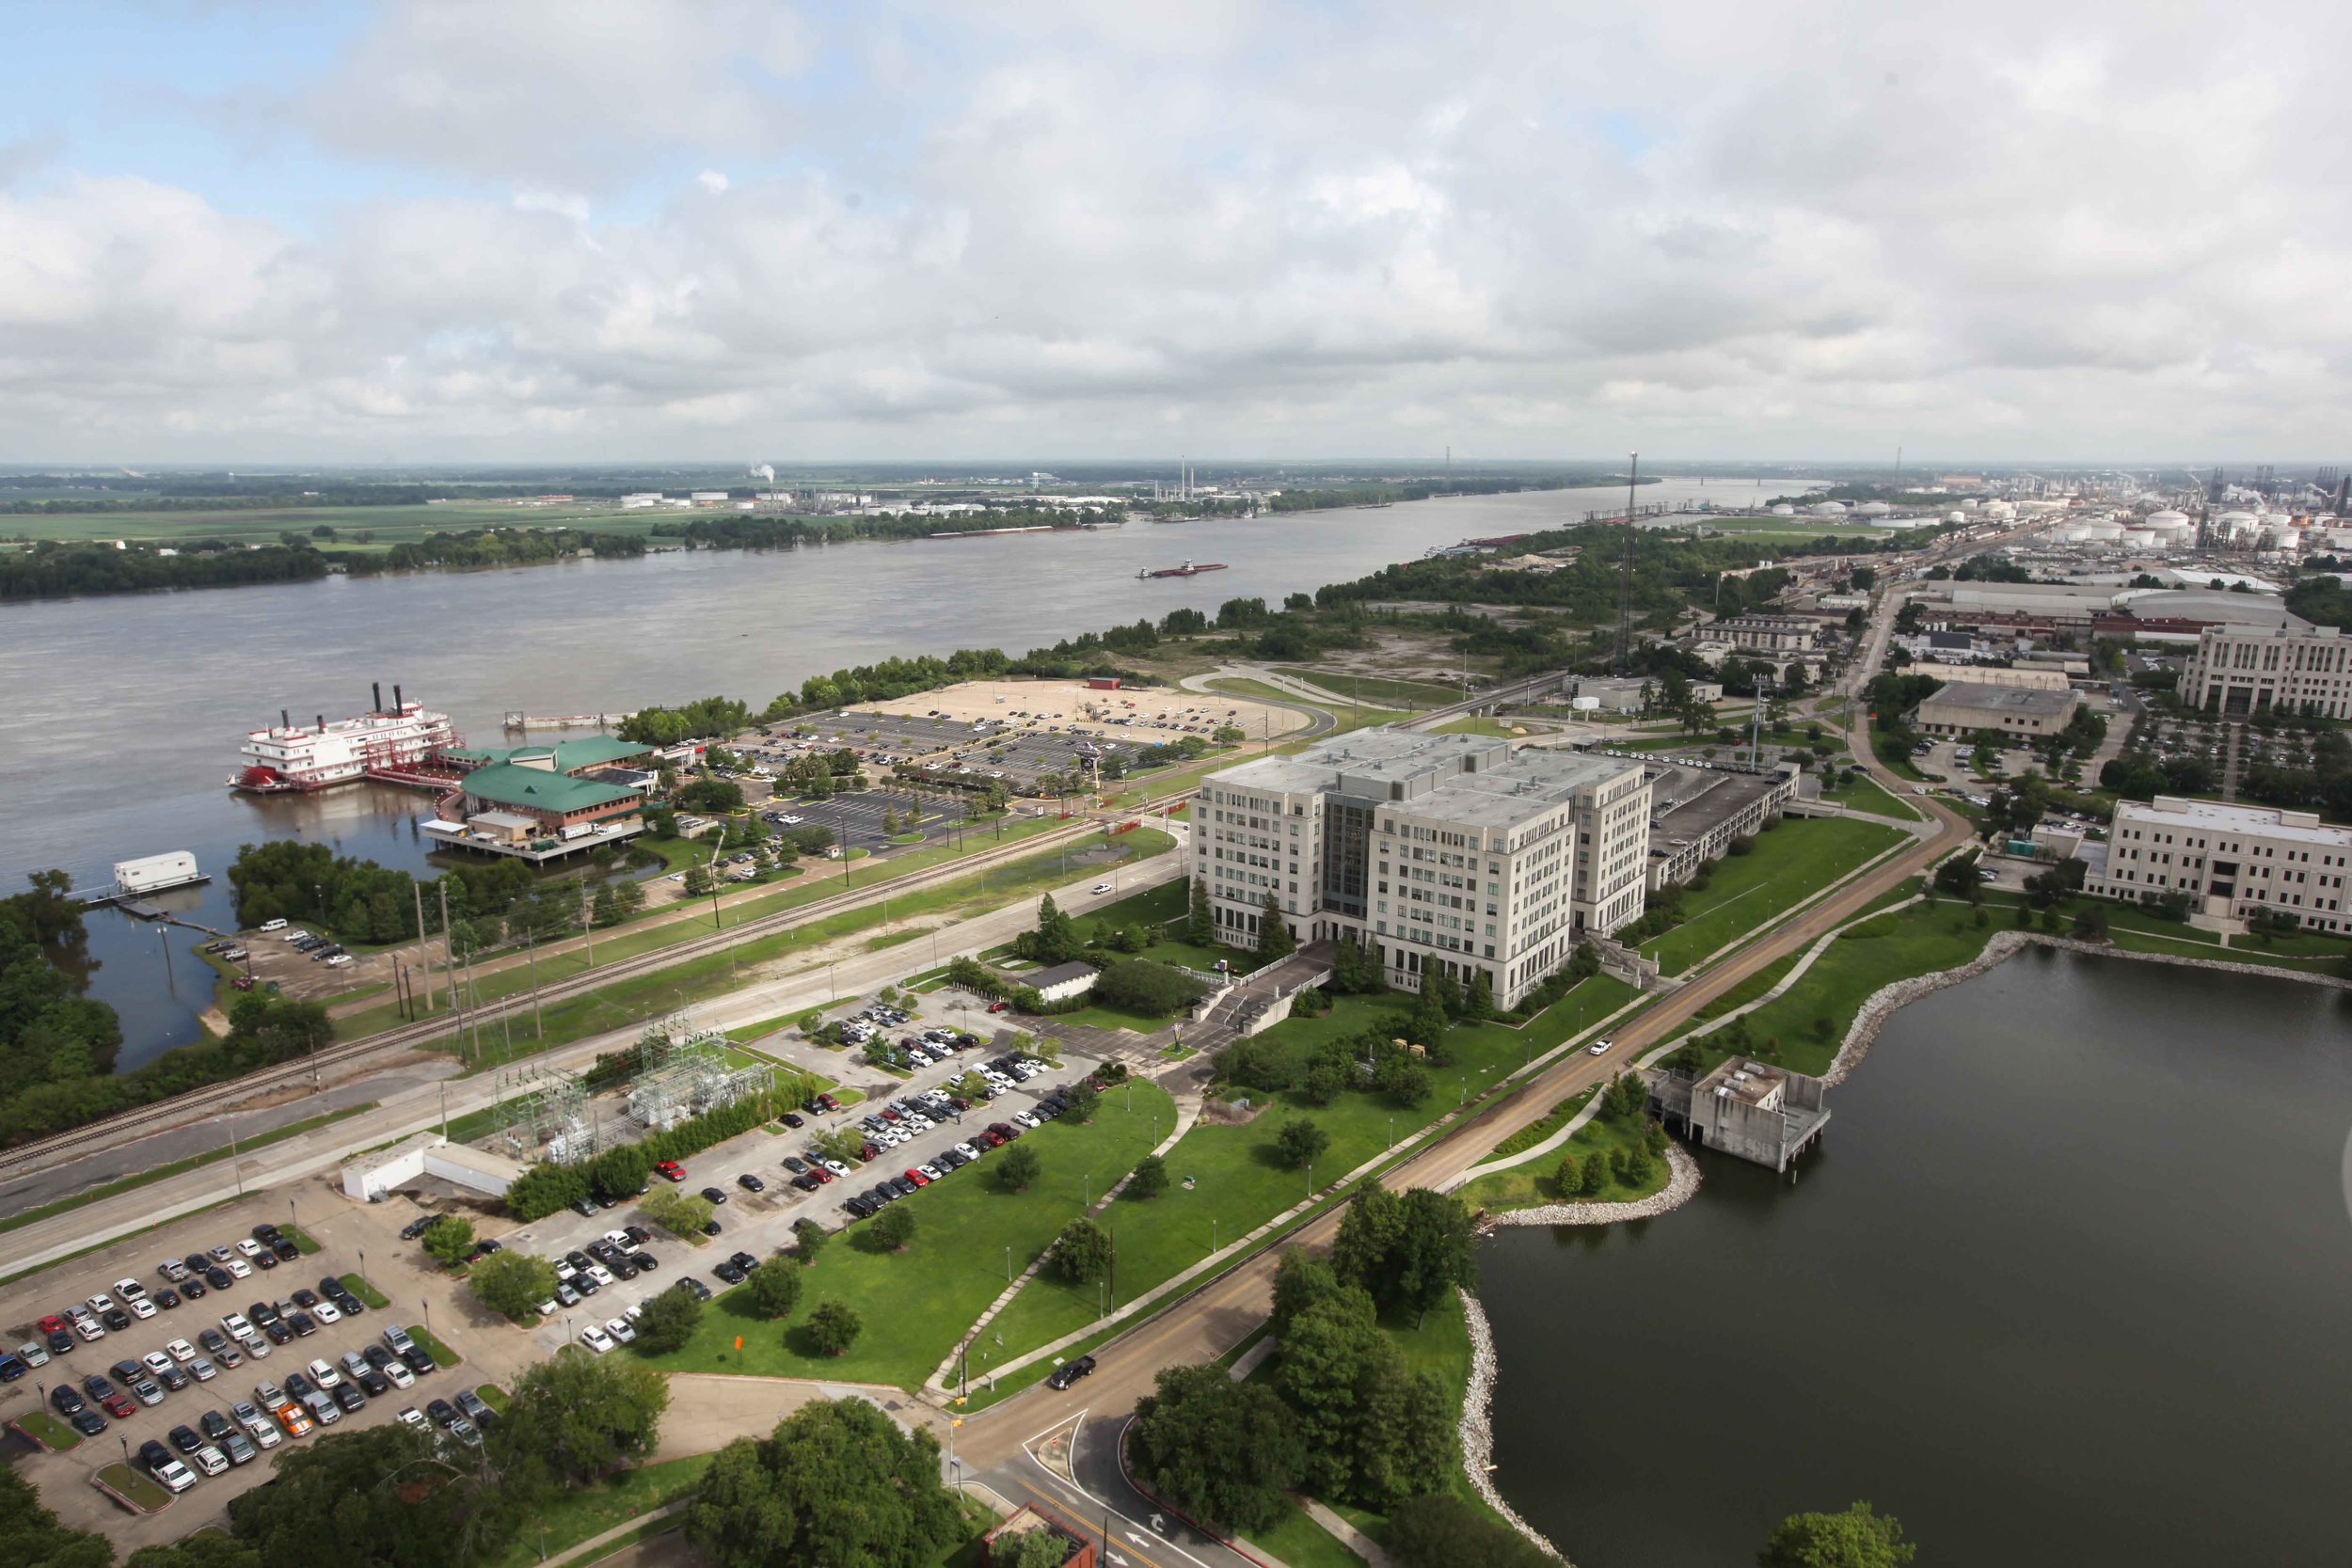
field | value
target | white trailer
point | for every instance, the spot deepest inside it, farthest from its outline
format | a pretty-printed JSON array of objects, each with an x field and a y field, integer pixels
[{"x": 154, "y": 873}]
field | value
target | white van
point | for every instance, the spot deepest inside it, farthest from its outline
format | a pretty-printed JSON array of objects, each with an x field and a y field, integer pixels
[{"x": 271, "y": 926}]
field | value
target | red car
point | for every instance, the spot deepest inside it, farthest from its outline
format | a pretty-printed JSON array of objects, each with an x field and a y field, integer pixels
[
  {"x": 119, "y": 1405},
  {"x": 868, "y": 1152},
  {"x": 998, "y": 1006},
  {"x": 51, "y": 1324},
  {"x": 671, "y": 1170},
  {"x": 820, "y": 1173},
  {"x": 916, "y": 1176}
]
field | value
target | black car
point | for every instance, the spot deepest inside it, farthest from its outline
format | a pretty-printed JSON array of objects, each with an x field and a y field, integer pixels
[
  {"x": 714, "y": 1194},
  {"x": 418, "y": 1360},
  {"x": 299, "y": 1386},
  {"x": 622, "y": 1268},
  {"x": 745, "y": 1262},
  {"x": 1070, "y": 1373},
  {"x": 89, "y": 1423},
  {"x": 278, "y": 1331},
  {"x": 860, "y": 1206},
  {"x": 173, "y": 1379},
  {"x": 284, "y": 1250},
  {"x": 644, "y": 1261},
  {"x": 376, "y": 1356},
  {"x": 261, "y": 1312},
  {"x": 303, "y": 1325},
  {"x": 219, "y": 1279},
  {"x": 694, "y": 1286},
  {"x": 794, "y": 1163},
  {"x": 793, "y": 1121},
  {"x": 751, "y": 1183},
  {"x": 710, "y": 1227},
  {"x": 215, "y": 1425},
  {"x": 65, "y": 1401},
  {"x": 903, "y": 1187},
  {"x": 116, "y": 1319},
  {"x": 376, "y": 1382},
  {"x": 199, "y": 1262},
  {"x": 165, "y": 1298},
  {"x": 442, "y": 1411},
  {"x": 347, "y": 1395},
  {"x": 578, "y": 1261},
  {"x": 153, "y": 1454},
  {"x": 418, "y": 1227},
  {"x": 193, "y": 1289},
  {"x": 638, "y": 1235},
  {"x": 806, "y": 1184},
  {"x": 584, "y": 1284},
  {"x": 728, "y": 1272},
  {"x": 184, "y": 1439},
  {"x": 303, "y": 1298}
]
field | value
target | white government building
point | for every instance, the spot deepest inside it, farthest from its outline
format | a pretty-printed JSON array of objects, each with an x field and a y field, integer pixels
[
  {"x": 2241, "y": 670},
  {"x": 1439, "y": 852},
  {"x": 2230, "y": 860}
]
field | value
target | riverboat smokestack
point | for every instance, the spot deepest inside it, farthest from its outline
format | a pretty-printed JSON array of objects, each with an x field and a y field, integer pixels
[
  {"x": 375, "y": 690},
  {"x": 398, "y": 707},
  {"x": 285, "y": 719}
]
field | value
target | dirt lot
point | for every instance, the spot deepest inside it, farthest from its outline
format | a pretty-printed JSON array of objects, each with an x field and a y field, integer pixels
[{"x": 1143, "y": 716}]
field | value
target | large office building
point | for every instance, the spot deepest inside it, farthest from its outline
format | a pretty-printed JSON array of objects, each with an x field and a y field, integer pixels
[
  {"x": 2230, "y": 860},
  {"x": 1965, "y": 707},
  {"x": 2242, "y": 669},
  {"x": 1441, "y": 853}
]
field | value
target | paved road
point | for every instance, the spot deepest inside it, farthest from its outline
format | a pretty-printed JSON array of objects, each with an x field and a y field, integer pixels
[
  {"x": 1215, "y": 1319},
  {"x": 408, "y": 1101},
  {"x": 1083, "y": 1489}
]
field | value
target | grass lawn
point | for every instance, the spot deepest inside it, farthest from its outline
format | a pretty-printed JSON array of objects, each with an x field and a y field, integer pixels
[
  {"x": 175, "y": 1167},
  {"x": 1479, "y": 724},
  {"x": 1863, "y": 793},
  {"x": 304, "y": 1242},
  {"x": 1300, "y": 1543},
  {"x": 1239, "y": 1184},
  {"x": 374, "y": 1299},
  {"x": 493, "y": 1396},
  {"x": 1523, "y": 1186},
  {"x": 631, "y": 1001},
  {"x": 917, "y": 1303},
  {"x": 145, "y": 1492},
  {"x": 1750, "y": 988},
  {"x": 1379, "y": 690},
  {"x": 1789, "y": 865},
  {"x": 1893, "y": 946},
  {"x": 46, "y": 1430},
  {"x": 1537, "y": 1131},
  {"x": 434, "y": 1347},
  {"x": 1896, "y": 756},
  {"x": 1108, "y": 1017},
  {"x": 572, "y": 1517}
]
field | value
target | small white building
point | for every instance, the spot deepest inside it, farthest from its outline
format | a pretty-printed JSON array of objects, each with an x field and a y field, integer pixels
[
  {"x": 154, "y": 873},
  {"x": 1062, "y": 982},
  {"x": 371, "y": 1178}
]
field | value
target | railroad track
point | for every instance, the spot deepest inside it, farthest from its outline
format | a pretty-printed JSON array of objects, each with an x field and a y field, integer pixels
[{"x": 130, "y": 1126}]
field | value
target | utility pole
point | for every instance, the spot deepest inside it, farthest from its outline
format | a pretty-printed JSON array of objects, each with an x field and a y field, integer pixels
[
  {"x": 425, "y": 958},
  {"x": 530, "y": 948},
  {"x": 587, "y": 925},
  {"x": 449, "y": 970}
]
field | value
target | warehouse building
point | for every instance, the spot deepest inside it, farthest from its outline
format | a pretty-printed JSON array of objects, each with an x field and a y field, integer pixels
[
  {"x": 1964, "y": 707},
  {"x": 2243, "y": 668},
  {"x": 1449, "y": 854},
  {"x": 2230, "y": 860}
]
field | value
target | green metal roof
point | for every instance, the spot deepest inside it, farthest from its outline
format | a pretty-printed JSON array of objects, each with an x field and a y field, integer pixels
[
  {"x": 506, "y": 785},
  {"x": 570, "y": 756}
]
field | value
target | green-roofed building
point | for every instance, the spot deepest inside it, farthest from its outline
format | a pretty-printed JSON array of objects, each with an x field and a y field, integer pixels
[{"x": 571, "y": 757}]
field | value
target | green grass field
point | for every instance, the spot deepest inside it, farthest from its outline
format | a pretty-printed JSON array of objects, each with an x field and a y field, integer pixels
[
  {"x": 968, "y": 1232},
  {"x": 1863, "y": 793},
  {"x": 570, "y": 1517},
  {"x": 1238, "y": 1181},
  {"x": 46, "y": 1430},
  {"x": 143, "y": 1491},
  {"x": 1789, "y": 865},
  {"x": 1374, "y": 690},
  {"x": 1526, "y": 1186},
  {"x": 1298, "y": 1541}
]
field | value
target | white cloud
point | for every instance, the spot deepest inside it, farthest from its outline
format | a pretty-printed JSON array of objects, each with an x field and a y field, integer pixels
[{"x": 1056, "y": 227}]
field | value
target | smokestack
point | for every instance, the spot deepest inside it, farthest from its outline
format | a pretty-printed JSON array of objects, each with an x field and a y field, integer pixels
[
  {"x": 285, "y": 719},
  {"x": 398, "y": 706},
  {"x": 375, "y": 689},
  {"x": 322, "y": 723}
]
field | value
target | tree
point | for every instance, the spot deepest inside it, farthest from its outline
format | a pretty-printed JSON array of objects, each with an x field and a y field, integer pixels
[
  {"x": 680, "y": 1214},
  {"x": 1150, "y": 1179},
  {"x": 808, "y": 1240},
  {"x": 544, "y": 1188},
  {"x": 1437, "y": 1529},
  {"x": 1407, "y": 1250},
  {"x": 1425, "y": 1026},
  {"x": 512, "y": 1282},
  {"x": 1858, "y": 1538},
  {"x": 892, "y": 1231},
  {"x": 450, "y": 1240},
  {"x": 1330, "y": 1349},
  {"x": 1055, "y": 939},
  {"x": 1367, "y": 1232},
  {"x": 774, "y": 1290},
  {"x": 621, "y": 1172},
  {"x": 1081, "y": 1253},
  {"x": 1142, "y": 986},
  {"x": 1568, "y": 1176},
  {"x": 1224, "y": 1452},
  {"x": 204, "y": 1549},
  {"x": 1080, "y": 1100},
  {"x": 2092, "y": 924},
  {"x": 1017, "y": 1168},
  {"x": 1274, "y": 934},
  {"x": 669, "y": 1321},
  {"x": 1300, "y": 1279},
  {"x": 834, "y": 1327},
  {"x": 1479, "y": 1005},
  {"x": 326, "y": 1503},
  {"x": 1201, "y": 916},
  {"x": 836, "y": 1483},
  {"x": 1298, "y": 1141},
  {"x": 31, "y": 1537},
  {"x": 582, "y": 1416},
  {"x": 1596, "y": 1175}
]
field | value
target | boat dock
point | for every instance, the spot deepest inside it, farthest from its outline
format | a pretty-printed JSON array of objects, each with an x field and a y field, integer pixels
[{"x": 565, "y": 720}]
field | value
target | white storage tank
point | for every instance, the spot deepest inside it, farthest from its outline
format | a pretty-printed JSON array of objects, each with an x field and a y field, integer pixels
[
  {"x": 1585, "y": 704},
  {"x": 1872, "y": 509},
  {"x": 1784, "y": 510},
  {"x": 1828, "y": 509},
  {"x": 154, "y": 873}
]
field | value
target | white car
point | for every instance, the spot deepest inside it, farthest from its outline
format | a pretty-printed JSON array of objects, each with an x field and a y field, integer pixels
[
  {"x": 1100, "y": 887},
  {"x": 930, "y": 1173},
  {"x": 236, "y": 1325},
  {"x": 211, "y": 1461},
  {"x": 412, "y": 1417},
  {"x": 620, "y": 1330},
  {"x": 129, "y": 1289},
  {"x": 250, "y": 1247},
  {"x": 546, "y": 1308},
  {"x": 90, "y": 1329},
  {"x": 596, "y": 1338},
  {"x": 337, "y": 960},
  {"x": 156, "y": 1361},
  {"x": 268, "y": 925},
  {"x": 101, "y": 1304},
  {"x": 322, "y": 1373},
  {"x": 181, "y": 1349},
  {"x": 400, "y": 1374},
  {"x": 1024, "y": 1118},
  {"x": 257, "y": 1426},
  {"x": 1598, "y": 1047},
  {"x": 601, "y": 1275},
  {"x": 297, "y": 934},
  {"x": 836, "y": 1167},
  {"x": 238, "y": 1266},
  {"x": 174, "y": 1476},
  {"x": 325, "y": 1312},
  {"x": 967, "y": 1152},
  {"x": 141, "y": 1308}
]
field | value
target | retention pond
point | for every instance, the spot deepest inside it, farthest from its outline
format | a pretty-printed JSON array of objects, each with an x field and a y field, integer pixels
[{"x": 2066, "y": 1284}]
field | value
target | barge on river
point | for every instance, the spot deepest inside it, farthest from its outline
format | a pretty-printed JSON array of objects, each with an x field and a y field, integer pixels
[{"x": 1189, "y": 569}]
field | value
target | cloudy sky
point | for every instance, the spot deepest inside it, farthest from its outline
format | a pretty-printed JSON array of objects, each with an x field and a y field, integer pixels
[{"x": 524, "y": 229}]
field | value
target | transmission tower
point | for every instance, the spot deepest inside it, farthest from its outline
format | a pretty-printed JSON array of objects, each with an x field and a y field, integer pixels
[{"x": 1625, "y": 574}]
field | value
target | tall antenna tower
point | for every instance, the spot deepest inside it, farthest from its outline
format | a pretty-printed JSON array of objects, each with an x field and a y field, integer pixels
[{"x": 1625, "y": 573}]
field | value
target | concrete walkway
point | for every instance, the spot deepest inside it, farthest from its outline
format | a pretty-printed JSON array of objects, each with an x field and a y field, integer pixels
[{"x": 1348, "y": 1535}]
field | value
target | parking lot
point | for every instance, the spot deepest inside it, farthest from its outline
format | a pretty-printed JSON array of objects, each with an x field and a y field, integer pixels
[
  {"x": 856, "y": 820},
  {"x": 761, "y": 1223},
  {"x": 344, "y": 1233}
]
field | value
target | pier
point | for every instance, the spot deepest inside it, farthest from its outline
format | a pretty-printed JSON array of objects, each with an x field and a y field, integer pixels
[{"x": 567, "y": 721}]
